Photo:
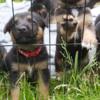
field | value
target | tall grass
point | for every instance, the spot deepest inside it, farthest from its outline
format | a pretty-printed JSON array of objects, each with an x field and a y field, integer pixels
[
  {"x": 74, "y": 85},
  {"x": 78, "y": 85}
]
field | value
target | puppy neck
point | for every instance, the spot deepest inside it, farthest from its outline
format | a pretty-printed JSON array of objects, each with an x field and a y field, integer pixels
[{"x": 29, "y": 54}]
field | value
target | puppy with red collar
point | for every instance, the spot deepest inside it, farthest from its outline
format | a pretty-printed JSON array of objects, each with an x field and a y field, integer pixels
[{"x": 28, "y": 53}]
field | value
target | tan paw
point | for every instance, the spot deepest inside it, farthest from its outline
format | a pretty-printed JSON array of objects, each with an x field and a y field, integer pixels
[{"x": 89, "y": 39}]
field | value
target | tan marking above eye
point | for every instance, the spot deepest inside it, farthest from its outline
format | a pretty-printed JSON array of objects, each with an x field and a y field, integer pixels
[
  {"x": 43, "y": 6},
  {"x": 40, "y": 33},
  {"x": 65, "y": 16},
  {"x": 29, "y": 17},
  {"x": 16, "y": 19},
  {"x": 70, "y": 17}
]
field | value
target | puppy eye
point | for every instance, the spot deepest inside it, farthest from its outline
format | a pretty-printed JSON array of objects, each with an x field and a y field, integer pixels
[{"x": 71, "y": 19}]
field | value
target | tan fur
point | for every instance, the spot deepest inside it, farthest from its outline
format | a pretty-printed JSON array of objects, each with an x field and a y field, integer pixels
[
  {"x": 43, "y": 89},
  {"x": 15, "y": 93},
  {"x": 23, "y": 67},
  {"x": 16, "y": 19},
  {"x": 84, "y": 61},
  {"x": 2, "y": 57},
  {"x": 60, "y": 18},
  {"x": 81, "y": 2},
  {"x": 67, "y": 36},
  {"x": 12, "y": 37},
  {"x": 70, "y": 33},
  {"x": 56, "y": 19},
  {"x": 85, "y": 20},
  {"x": 89, "y": 36},
  {"x": 39, "y": 34},
  {"x": 29, "y": 17}
]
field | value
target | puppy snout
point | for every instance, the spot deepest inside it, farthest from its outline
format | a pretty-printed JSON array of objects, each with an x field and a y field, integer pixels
[
  {"x": 75, "y": 23},
  {"x": 22, "y": 29}
]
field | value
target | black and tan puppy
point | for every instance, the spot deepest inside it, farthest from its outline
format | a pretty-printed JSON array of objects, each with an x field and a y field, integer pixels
[
  {"x": 70, "y": 29},
  {"x": 84, "y": 16},
  {"x": 28, "y": 54}
]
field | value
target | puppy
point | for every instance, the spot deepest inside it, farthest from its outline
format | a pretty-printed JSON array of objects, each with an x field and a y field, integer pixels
[
  {"x": 28, "y": 54},
  {"x": 76, "y": 8},
  {"x": 67, "y": 29}
]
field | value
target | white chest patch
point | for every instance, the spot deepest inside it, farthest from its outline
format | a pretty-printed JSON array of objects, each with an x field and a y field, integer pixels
[
  {"x": 75, "y": 12},
  {"x": 29, "y": 68}
]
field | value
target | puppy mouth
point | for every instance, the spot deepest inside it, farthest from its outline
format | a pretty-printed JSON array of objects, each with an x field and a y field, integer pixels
[
  {"x": 25, "y": 40},
  {"x": 67, "y": 27},
  {"x": 24, "y": 37}
]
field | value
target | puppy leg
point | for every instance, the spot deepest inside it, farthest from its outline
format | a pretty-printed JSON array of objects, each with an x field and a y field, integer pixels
[
  {"x": 14, "y": 85},
  {"x": 58, "y": 66},
  {"x": 89, "y": 39},
  {"x": 89, "y": 35},
  {"x": 43, "y": 80},
  {"x": 15, "y": 93}
]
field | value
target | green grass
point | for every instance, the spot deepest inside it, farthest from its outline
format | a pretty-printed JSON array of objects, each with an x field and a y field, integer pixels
[
  {"x": 2, "y": 1},
  {"x": 74, "y": 84},
  {"x": 83, "y": 89}
]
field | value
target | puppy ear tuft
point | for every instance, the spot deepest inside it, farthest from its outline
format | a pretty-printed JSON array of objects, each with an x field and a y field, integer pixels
[{"x": 8, "y": 26}]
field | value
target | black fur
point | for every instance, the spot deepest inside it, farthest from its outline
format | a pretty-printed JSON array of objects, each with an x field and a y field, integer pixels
[{"x": 42, "y": 7}]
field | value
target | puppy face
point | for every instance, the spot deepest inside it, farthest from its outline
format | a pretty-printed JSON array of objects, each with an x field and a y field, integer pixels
[
  {"x": 26, "y": 28},
  {"x": 67, "y": 25}
]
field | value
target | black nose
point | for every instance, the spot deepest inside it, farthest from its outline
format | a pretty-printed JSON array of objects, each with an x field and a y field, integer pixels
[
  {"x": 22, "y": 29},
  {"x": 75, "y": 23}
]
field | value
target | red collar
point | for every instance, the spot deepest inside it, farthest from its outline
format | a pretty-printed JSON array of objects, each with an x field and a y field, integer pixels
[{"x": 28, "y": 54}]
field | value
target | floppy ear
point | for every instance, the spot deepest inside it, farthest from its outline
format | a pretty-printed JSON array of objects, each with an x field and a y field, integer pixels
[
  {"x": 8, "y": 26},
  {"x": 97, "y": 19},
  {"x": 43, "y": 23},
  {"x": 40, "y": 20},
  {"x": 40, "y": 9}
]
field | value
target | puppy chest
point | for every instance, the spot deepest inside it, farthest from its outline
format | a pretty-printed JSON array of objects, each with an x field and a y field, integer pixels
[{"x": 21, "y": 67}]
